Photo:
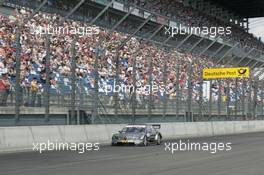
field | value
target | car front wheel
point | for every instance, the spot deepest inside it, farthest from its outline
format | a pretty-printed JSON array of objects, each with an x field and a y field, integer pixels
[
  {"x": 158, "y": 140},
  {"x": 145, "y": 141}
]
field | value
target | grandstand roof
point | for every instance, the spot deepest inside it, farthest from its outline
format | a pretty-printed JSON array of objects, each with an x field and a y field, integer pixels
[{"x": 245, "y": 8}]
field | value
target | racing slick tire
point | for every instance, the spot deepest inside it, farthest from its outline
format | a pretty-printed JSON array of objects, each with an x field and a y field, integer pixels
[{"x": 145, "y": 141}]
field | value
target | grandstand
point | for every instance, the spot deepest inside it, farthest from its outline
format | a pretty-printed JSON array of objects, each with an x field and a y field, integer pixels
[{"x": 64, "y": 78}]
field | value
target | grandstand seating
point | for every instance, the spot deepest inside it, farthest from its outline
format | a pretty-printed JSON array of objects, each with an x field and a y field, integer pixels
[{"x": 33, "y": 59}]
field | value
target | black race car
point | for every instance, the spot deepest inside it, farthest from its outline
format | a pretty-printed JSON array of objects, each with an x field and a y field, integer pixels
[{"x": 138, "y": 134}]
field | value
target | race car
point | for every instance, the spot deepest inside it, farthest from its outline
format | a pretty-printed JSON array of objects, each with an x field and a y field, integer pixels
[{"x": 138, "y": 134}]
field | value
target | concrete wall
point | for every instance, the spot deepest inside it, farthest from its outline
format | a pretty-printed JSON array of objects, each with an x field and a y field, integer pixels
[{"x": 22, "y": 138}]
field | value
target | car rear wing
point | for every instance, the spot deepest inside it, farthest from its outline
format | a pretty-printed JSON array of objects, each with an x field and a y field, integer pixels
[{"x": 156, "y": 126}]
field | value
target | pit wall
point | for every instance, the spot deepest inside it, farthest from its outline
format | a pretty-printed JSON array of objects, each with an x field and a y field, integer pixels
[{"x": 14, "y": 139}]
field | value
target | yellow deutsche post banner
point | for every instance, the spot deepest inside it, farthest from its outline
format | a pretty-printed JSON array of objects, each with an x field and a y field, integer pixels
[{"x": 234, "y": 72}]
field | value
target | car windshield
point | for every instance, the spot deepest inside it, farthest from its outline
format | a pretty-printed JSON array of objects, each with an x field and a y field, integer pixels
[{"x": 133, "y": 129}]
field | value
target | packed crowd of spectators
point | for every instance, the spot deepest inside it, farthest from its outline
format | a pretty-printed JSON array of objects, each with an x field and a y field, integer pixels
[
  {"x": 191, "y": 17},
  {"x": 33, "y": 76},
  {"x": 186, "y": 15}
]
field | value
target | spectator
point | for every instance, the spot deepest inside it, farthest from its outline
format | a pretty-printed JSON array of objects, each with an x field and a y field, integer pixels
[
  {"x": 33, "y": 60},
  {"x": 4, "y": 89},
  {"x": 34, "y": 90}
]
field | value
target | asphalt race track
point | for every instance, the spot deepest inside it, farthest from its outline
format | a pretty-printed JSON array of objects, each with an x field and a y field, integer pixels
[{"x": 245, "y": 158}]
